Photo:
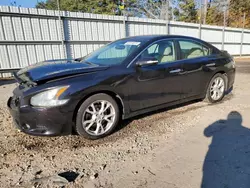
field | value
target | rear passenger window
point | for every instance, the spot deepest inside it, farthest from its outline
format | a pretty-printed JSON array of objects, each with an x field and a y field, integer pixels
[{"x": 191, "y": 49}]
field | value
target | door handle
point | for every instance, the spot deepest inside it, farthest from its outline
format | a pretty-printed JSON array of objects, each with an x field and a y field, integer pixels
[
  {"x": 210, "y": 65},
  {"x": 176, "y": 71}
]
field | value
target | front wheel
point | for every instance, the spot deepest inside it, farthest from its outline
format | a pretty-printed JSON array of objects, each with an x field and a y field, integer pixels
[
  {"x": 216, "y": 88},
  {"x": 97, "y": 116}
]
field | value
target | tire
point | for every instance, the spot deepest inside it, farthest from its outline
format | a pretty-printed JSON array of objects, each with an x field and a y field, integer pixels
[
  {"x": 91, "y": 115},
  {"x": 210, "y": 95}
]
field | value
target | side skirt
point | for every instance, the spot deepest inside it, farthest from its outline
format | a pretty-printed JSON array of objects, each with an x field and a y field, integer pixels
[{"x": 154, "y": 108}]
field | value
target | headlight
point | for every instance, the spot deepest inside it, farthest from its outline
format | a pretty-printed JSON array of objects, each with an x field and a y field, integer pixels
[{"x": 49, "y": 98}]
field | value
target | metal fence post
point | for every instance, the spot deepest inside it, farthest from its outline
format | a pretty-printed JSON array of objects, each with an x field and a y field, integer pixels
[
  {"x": 223, "y": 38},
  {"x": 223, "y": 31},
  {"x": 124, "y": 25},
  {"x": 167, "y": 27},
  {"x": 242, "y": 34},
  {"x": 62, "y": 30},
  {"x": 199, "y": 31},
  {"x": 200, "y": 20},
  {"x": 167, "y": 17}
]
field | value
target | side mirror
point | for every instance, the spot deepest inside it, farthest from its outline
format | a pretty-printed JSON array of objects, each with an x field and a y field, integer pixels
[{"x": 147, "y": 62}]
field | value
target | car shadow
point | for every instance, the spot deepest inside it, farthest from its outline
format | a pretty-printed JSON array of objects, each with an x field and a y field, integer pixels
[
  {"x": 227, "y": 162},
  {"x": 7, "y": 81},
  {"x": 123, "y": 123}
]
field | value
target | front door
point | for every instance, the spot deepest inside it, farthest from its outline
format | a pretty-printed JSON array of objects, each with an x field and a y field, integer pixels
[{"x": 158, "y": 84}]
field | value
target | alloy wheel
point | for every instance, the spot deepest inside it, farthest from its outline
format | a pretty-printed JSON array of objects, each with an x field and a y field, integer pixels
[
  {"x": 98, "y": 117},
  {"x": 217, "y": 88}
]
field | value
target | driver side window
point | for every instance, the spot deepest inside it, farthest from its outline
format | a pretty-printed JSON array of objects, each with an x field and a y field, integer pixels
[{"x": 163, "y": 51}]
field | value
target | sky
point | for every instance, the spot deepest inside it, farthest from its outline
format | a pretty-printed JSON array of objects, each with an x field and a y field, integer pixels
[
  {"x": 32, "y": 3},
  {"x": 22, "y": 3}
]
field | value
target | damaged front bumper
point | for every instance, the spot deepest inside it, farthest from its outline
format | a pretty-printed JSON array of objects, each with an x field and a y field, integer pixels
[{"x": 40, "y": 121}]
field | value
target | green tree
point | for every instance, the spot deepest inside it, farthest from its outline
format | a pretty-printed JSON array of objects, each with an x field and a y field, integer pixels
[
  {"x": 237, "y": 9},
  {"x": 90, "y": 6},
  {"x": 139, "y": 8},
  {"x": 215, "y": 16},
  {"x": 187, "y": 11}
]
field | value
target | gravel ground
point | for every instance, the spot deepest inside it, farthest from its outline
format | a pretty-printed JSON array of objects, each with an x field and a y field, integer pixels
[{"x": 162, "y": 149}]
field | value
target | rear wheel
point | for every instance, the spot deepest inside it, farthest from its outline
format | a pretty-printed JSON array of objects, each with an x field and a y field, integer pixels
[
  {"x": 97, "y": 116},
  {"x": 216, "y": 88}
]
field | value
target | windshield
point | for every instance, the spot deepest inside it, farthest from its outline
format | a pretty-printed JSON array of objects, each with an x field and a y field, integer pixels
[{"x": 113, "y": 53}]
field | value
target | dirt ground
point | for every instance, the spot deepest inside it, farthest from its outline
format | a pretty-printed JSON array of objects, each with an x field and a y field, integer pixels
[{"x": 197, "y": 145}]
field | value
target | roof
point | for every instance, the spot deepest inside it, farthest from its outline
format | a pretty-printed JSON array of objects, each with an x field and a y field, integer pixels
[
  {"x": 152, "y": 38},
  {"x": 156, "y": 37}
]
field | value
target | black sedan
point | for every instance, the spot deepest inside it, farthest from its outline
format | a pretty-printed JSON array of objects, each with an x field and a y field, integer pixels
[{"x": 125, "y": 78}]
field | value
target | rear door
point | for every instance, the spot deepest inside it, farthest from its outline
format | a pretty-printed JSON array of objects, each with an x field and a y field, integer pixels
[{"x": 197, "y": 61}]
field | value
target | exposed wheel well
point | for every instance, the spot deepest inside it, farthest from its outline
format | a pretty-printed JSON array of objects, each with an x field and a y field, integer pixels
[{"x": 115, "y": 96}]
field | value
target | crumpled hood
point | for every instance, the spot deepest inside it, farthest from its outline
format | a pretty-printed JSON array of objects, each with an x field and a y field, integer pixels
[{"x": 53, "y": 69}]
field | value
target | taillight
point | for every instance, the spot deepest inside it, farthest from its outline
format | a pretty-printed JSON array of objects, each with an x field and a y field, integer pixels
[{"x": 233, "y": 61}]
